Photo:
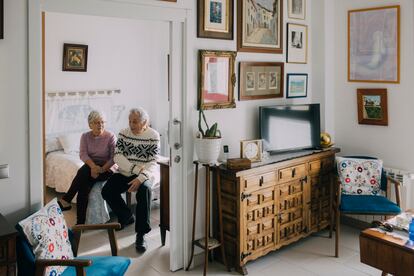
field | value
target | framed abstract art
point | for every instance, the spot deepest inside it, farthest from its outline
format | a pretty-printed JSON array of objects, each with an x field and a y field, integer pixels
[
  {"x": 297, "y": 9},
  {"x": 215, "y": 19},
  {"x": 297, "y": 43},
  {"x": 374, "y": 45}
]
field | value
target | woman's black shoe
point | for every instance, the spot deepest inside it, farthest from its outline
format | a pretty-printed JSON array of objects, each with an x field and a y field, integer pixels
[{"x": 63, "y": 208}]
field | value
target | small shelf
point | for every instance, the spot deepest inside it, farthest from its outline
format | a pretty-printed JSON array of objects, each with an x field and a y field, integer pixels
[{"x": 212, "y": 243}]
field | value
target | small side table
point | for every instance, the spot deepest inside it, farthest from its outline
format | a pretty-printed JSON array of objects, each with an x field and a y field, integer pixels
[
  {"x": 7, "y": 248},
  {"x": 211, "y": 242}
]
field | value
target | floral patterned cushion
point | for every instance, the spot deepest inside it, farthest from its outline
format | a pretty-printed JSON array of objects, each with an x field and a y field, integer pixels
[
  {"x": 359, "y": 176},
  {"x": 48, "y": 235}
]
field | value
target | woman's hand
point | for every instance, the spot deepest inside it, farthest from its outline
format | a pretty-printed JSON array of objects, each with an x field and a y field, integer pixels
[
  {"x": 134, "y": 185},
  {"x": 95, "y": 170}
]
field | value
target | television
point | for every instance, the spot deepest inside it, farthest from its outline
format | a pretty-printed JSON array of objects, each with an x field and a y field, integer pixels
[{"x": 290, "y": 127}]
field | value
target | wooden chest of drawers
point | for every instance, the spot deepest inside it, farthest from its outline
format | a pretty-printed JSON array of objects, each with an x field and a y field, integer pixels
[
  {"x": 269, "y": 206},
  {"x": 7, "y": 248}
]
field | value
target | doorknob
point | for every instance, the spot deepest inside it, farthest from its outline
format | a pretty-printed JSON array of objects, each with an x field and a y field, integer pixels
[
  {"x": 177, "y": 159},
  {"x": 178, "y": 145}
]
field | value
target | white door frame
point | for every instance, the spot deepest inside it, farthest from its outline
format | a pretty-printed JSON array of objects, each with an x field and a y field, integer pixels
[{"x": 178, "y": 16}]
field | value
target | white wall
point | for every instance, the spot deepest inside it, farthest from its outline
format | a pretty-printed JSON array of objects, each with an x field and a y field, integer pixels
[
  {"x": 14, "y": 147},
  {"x": 127, "y": 54},
  {"x": 392, "y": 143}
]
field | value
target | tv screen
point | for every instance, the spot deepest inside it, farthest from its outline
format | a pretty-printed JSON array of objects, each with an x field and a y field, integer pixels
[{"x": 290, "y": 127}]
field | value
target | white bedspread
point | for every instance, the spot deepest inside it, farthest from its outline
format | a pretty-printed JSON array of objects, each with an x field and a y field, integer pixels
[{"x": 61, "y": 168}]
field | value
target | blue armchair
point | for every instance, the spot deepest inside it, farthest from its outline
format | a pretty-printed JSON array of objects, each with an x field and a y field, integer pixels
[
  {"x": 363, "y": 204},
  {"x": 92, "y": 265}
]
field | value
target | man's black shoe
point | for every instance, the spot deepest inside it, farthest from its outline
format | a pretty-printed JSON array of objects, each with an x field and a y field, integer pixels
[
  {"x": 131, "y": 220},
  {"x": 140, "y": 243}
]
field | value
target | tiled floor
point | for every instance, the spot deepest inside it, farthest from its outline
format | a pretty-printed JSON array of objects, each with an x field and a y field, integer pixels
[{"x": 310, "y": 256}]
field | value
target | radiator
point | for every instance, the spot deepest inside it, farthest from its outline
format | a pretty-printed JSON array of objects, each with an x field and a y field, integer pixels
[{"x": 406, "y": 191}]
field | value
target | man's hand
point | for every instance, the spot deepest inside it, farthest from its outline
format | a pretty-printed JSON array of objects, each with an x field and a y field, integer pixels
[{"x": 134, "y": 185}]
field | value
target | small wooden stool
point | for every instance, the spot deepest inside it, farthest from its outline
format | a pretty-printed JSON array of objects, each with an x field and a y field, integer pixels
[{"x": 207, "y": 240}]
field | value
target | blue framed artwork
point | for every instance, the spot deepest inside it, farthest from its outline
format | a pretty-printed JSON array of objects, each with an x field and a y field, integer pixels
[{"x": 297, "y": 86}]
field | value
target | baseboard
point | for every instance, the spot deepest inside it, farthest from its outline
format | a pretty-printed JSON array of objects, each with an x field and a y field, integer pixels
[{"x": 353, "y": 222}]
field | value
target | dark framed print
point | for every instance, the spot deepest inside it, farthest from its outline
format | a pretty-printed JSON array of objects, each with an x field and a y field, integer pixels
[
  {"x": 216, "y": 79},
  {"x": 260, "y": 80},
  {"x": 215, "y": 19},
  {"x": 374, "y": 45},
  {"x": 372, "y": 106},
  {"x": 297, "y": 85},
  {"x": 75, "y": 57},
  {"x": 297, "y": 43},
  {"x": 297, "y": 9},
  {"x": 259, "y": 26},
  {"x": 1, "y": 19}
]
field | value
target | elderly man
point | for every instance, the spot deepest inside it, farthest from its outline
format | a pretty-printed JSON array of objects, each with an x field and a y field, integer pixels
[{"x": 136, "y": 155}]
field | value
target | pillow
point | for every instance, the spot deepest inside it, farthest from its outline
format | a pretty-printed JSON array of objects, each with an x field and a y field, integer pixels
[
  {"x": 52, "y": 144},
  {"x": 70, "y": 142},
  {"x": 359, "y": 176},
  {"x": 47, "y": 233}
]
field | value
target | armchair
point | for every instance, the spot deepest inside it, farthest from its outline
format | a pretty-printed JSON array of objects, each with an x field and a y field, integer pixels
[{"x": 360, "y": 203}]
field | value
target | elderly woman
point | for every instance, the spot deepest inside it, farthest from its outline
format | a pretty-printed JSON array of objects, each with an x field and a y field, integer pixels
[
  {"x": 136, "y": 155},
  {"x": 97, "y": 151}
]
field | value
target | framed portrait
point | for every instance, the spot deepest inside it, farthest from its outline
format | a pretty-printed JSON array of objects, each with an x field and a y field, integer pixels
[
  {"x": 260, "y": 80},
  {"x": 372, "y": 107},
  {"x": 297, "y": 43},
  {"x": 216, "y": 79},
  {"x": 297, "y": 9},
  {"x": 297, "y": 85},
  {"x": 75, "y": 57},
  {"x": 215, "y": 19},
  {"x": 1, "y": 19},
  {"x": 259, "y": 26},
  {"x": 374, "y": 45}
]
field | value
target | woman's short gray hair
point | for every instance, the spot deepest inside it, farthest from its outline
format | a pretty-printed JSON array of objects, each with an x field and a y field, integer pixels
[
  {"x": 143, "y": 115},
  {"x": 95, "y": 115}
]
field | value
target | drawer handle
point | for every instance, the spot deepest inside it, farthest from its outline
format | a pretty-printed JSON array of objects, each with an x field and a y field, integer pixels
[
  {"x": 280, "y": 175},
  {"x": 261, "y": 181},
  {"x": 293, "y": 172}
]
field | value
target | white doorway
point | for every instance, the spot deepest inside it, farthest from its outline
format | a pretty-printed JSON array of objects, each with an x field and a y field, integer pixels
[{"x": 177, "y": 28}]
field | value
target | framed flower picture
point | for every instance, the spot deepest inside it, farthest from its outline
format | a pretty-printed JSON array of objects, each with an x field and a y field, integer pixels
[
  {"x": 260, "y": 80},
  {"x": 297, "y": 43},
  {"x": 75, "y": 57},
  {"x": 297, "y": 9},
  {"x": 216, "y": 79},
  {"x": 374, "y": 45},
  {"x": 372, "y": 107},
  {"x": 215, "y": 19},
  {"x": 297, "y": 85},
  {"x": 259, "y": 26}
]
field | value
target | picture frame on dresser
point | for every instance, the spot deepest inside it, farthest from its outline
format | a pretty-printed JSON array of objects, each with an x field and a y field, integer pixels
[
  {"x": 216, "y": 79},
  {"x": 297, "y": 9},
  {"x": 296, "y": 85},
  {"x": 253, "y": 19},
  {"x": 215, "y": 19},
  {"x": 374, "y": 45},
  {"x": 372, "y": 106},
  {"x": 297, "y": 43},
  {"x": 260, "y": 80}
]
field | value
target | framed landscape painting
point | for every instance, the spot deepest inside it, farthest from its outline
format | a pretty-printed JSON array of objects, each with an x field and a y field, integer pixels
[
  {"x": 260, "y": 80},
  {"x": 215, "y": 19},
  {"x": 297, "y": 85},
  {"x": 372, "y": 106},
  {"x": 216, "y": 79},
  {"x": 260, "y": 26},
  {"x": 374, "y": 45}
]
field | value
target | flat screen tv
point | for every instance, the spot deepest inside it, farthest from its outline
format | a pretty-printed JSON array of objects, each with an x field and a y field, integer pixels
[{"x": 290, "y": 127}]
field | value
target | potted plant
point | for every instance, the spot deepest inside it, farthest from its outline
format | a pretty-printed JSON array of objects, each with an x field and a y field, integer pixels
[{"x": 207, "y": 143}]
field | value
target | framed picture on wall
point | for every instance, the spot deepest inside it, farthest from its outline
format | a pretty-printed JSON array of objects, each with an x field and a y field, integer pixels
[
  {"x": 372, "y": 106},
  {"x": 216, "y": 79},
  {"x": 297, "y": 43},
  {"x": 215, "y": 19},
  {"x": 296, "y": 85},
  {"x": 374, "y": 45},
  {"x": 297, "y": 9},
  {"x": 1, "y": 19},
  {"x": 75, "y": 57},
  {"x": 260, "y": 80},
  {"x": 259, "y": 26}
]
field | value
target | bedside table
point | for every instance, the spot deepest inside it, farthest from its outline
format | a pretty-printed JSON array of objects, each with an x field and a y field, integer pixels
[{"x": 7, "y": 248}]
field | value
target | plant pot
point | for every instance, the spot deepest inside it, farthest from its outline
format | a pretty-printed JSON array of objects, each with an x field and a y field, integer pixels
[{"x": 207, "y": 149}]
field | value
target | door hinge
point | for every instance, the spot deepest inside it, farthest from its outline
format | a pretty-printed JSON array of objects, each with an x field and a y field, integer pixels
[
  {"x": 244, "y": 255},
  {"x": 244, "y": 196}
]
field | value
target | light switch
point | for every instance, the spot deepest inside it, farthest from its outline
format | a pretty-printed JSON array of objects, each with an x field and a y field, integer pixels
[{"x": 4, "y": 171}]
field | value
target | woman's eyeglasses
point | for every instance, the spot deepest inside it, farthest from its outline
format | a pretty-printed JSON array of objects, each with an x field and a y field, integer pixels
[{"x": 382, "y": 225}]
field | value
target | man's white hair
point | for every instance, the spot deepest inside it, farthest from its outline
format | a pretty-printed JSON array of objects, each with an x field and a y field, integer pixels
[{"x": 142, "y": 114}]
